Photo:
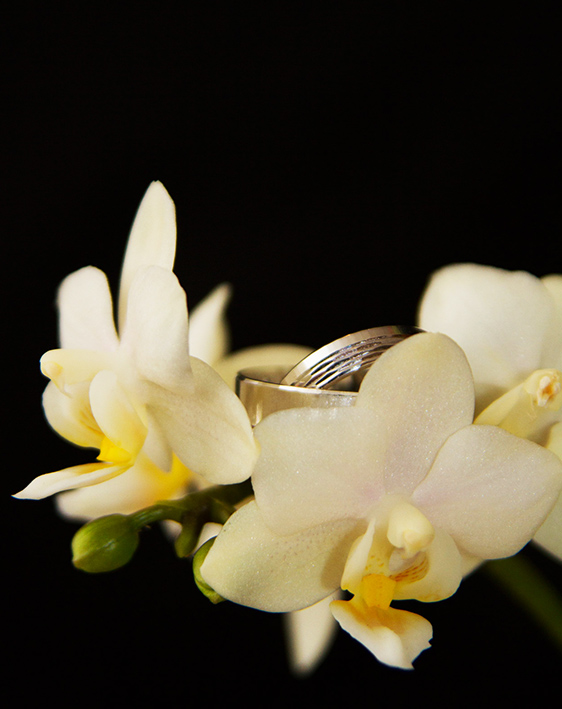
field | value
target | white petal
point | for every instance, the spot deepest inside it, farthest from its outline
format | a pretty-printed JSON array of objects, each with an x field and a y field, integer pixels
[
  {"x": 549, "y": 534},
  {"x": 395, "y": 637},
  {"x": 155, "y": 337},
  {"x": 208, "y": 331},
  {"x": 68, "y": 367},
  {"x": 490, "y": 490},
  {"x": 309, "y": 634},
  {"x": 114, "y": 413},
  {"x": 444, "y": 573},
  {"x": 138, "y": 487},
  {"x": 552, "y": 356},
  {"x": 316, "y": 465},
  {"x": 70, "y": 414},
  {"x": 69, "y": 478},
  {"x": 501, "y": 319},
  {"x": 86, "y": 312},
  {"x": 206, "y": 425},
  {"x": 250, "y": 565},
  {"x": 152, "y": 241},
  {"x": 420, "y": 392},
  {"x": 285, "y": 356}
]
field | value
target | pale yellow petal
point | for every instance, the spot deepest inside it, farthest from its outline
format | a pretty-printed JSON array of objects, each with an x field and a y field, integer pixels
[
  {"x": 155, "y": 338},
  {"x": 282, "y": 355},
  {"x": 206, "y": 425},
  {"x": 395, "y": 637},
  {"x": 86, "y": 312},
  {"x": 68, "y": 479},
  {"x": 209, "y": 337},
  {"x": 152, "y": 241},
  {"x": 250, "y": 565},
  {"x": 138, "y": 487},
  {"x": 70, "y": 414},
  {"x": 309, "y": 635}
]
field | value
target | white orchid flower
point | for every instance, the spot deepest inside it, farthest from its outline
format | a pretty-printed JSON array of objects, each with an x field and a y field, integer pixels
[
  {"x": 161, "y": 420},
  {"x": 390, "y": 499},
  {"x": 510, "y": 326}
]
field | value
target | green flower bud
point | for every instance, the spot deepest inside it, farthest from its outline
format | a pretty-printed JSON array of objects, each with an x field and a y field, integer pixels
[
  {"x": 203, "y": 586},
  {"x": 104, "y": 544}
]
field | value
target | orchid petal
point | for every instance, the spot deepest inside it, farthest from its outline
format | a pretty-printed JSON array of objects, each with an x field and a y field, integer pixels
[
  {"x": 502, "y": 320},
  {"x": 420, "y": 392},
  {"x": 206, "y": 425},
  {"x": 135, "y": 488},
  {"x": 208, "y": 331},
  {"x": 68, "y": 367},
  {"x": 86, "y": 312},
  {"x": 316, "y": 465},
  {"x": 69, "y": 478},
  {"x": 250, "y": 565},
  {"x": 395, "y": 637},
  {"x": 115, "y": 415},
  {"x": 493, "y": 501},
  {"x": 152, "y": 241},
  {"x": 553, "y": 352},
  {"x": 70, "y": 415},
  {"x": 310, "y": 633},
  {"x": 156, "y": 333},
  {"x": 443, "y": 576},
  {"x": 284, "y": 356}
]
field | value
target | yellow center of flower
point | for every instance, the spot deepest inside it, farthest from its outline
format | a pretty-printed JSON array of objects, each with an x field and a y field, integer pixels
[
  {"x": 110, "y": 453},
  {"x": 544, "y": 386},
  {"x": 377, "y": 590},
  {"x": 529, "y": 410}
]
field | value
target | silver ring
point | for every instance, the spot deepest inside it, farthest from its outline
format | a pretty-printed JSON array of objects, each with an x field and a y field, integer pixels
[
  {"x": 348, "y": 356},
  {"x": 264, "y": 390}
]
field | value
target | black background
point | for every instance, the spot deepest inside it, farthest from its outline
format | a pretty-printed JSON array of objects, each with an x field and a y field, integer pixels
[{"x": 324, "y": 159}]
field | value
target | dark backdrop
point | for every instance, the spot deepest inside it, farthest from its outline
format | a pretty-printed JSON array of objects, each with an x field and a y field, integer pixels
[{"x": 324, "y": 159}]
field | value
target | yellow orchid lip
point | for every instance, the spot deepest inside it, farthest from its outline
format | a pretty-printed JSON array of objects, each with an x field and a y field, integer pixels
[
  {"x": 377, "y": 590},
  {"x": 110, "y": 453},
  {"x": 529, "y": 410}
]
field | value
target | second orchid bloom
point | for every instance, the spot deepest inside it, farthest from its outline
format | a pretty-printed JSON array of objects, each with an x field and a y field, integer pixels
[{"x": 161, "y": 420}]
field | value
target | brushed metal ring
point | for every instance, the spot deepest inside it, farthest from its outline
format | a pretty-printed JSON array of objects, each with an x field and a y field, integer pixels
[
  {"x": 264, "y": 390},
  {"x": 346, "y": 356}
]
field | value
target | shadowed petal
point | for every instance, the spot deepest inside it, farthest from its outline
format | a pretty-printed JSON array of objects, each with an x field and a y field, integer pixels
[
  {"x": 138, "y": 487},
  {"x": 86, "y": 312},
  {"x": 251, "y": 566},
  {"x": 152, "y": 241},
  {"x": 209, "y": 337},
  {"x": 156, "y": 336},
  {"x": 206, "y": 425},
  {"x": 309, "y": 633},
  {"x": 501, "y": 319},
  {"x": 69, "y": 478},
  {"x": 276, "y": 355},
  {"x": 395, "y": 637},
  {"x": 70, "y": 415}
]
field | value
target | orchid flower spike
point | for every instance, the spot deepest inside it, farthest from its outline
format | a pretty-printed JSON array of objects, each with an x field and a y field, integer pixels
[
  {"x": 162, "y": 420},
  {"x": 509, "y": 325},
  {"x": 390, "y": 499}
]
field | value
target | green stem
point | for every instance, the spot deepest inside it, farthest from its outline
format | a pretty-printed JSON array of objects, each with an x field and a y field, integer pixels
[
  {"x": 200, "y": 502},
  {"x": 532, "y": 590}
]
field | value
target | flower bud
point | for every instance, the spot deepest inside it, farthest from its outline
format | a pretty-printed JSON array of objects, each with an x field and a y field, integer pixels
[
  {"x": 202, "y": 585},
  {"x": 104, "y": 544}
]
